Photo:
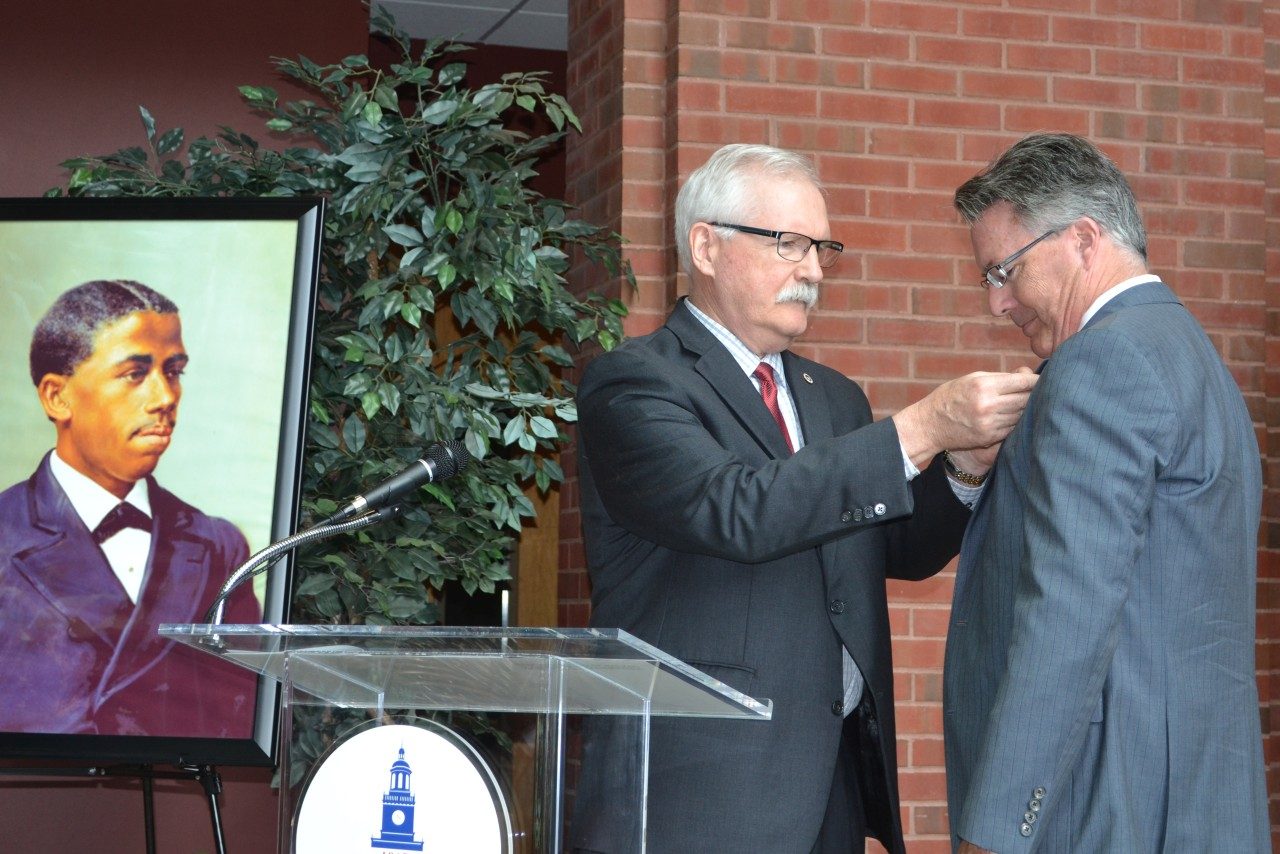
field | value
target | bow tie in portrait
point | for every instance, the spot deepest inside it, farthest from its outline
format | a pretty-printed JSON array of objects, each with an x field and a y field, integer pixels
[{"x": 123, "y": 515}]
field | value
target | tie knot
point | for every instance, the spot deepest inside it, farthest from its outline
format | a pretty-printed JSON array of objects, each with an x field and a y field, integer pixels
[
  {"x": 123, "y": 515},
  {"x": 764, "y": 373}
]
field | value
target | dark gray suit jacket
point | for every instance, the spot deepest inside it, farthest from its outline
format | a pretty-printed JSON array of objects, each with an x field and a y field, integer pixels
[
  {"x": 706, "y": 539},
  {"x": 1100, "y": 689}
]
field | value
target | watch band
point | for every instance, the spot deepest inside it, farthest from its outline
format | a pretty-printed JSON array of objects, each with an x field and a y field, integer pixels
[{"x": 959, "y": 474}]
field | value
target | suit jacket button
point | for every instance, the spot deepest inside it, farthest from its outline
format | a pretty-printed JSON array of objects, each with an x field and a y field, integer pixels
[
  {"x": 1029, "y": 817},
  {"x": 868, "y": 511},
  {"x": 846, "y": 516},
  {"x": 837, "y": 606},
  {"x": 1038, "y": 793},
  {"x": 1034, "y": 805},
  {"x": 857, "y": 514},
  {"x": 881, "y": 509},
  {"x": 1025, "y": 830},
  {"x": 837, "y": 708}
]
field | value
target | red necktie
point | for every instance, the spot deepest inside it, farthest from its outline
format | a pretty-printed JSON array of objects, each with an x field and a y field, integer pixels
[{"x": 769, "y": 391}]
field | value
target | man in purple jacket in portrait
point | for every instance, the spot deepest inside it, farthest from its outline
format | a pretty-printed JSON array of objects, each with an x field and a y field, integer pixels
[{"x": 95, "y": 555}]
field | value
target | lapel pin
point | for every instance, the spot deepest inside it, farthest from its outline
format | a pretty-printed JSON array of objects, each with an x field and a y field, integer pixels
[{"x": 807, "y": 378}]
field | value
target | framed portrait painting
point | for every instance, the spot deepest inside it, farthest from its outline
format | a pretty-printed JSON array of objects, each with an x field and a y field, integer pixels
[{"x": 154, "y": 362}]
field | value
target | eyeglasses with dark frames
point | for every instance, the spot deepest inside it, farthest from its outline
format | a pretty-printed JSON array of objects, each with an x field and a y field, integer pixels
[
  {"x": 996, "y": 275},
  {"x": 793, "y": 246}
]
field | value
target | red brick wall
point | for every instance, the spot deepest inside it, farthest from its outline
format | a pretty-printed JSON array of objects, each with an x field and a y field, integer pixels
[
  {"x": 898, "y": 102},
  {"x": 1269, "y": 553}
]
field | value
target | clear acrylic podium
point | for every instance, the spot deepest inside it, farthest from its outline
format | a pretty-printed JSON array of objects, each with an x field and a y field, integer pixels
[{"x": 524, "y": 683}]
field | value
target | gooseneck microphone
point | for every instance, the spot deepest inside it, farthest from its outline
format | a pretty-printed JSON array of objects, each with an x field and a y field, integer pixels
[{"x": 441, "y": 460}]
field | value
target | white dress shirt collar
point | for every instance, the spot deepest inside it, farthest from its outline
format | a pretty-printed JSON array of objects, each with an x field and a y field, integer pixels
[
  {"x": 91, "y": 502},
  {"x": 1111, "y": 293},
  {"x": 742, "y": 354}
]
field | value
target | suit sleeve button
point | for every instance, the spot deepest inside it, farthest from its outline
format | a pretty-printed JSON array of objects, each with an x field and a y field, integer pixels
[
  {"x": 1029, "y": 817},
  {"x": 837, "y": 606},
  {"x": 846, "y": 516},
  {"x": 1034, "y": 804},
  {"x": 1025, "y": 830},
  {"x": 881, "y": 509},
  {"x": 1038, "y": 793}
]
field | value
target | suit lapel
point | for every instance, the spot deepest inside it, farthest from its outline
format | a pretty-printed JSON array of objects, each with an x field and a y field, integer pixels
[
  {"x": 177, "y": 572},
  {"x": 812, "y": 407},
  {"x": 68, "y": 569},
  {"x": 714, "y": 364},
  {"x": 814, "y": 412}
]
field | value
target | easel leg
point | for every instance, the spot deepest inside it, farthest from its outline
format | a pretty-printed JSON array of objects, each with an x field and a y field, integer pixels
[
  {"x": 149, "y": 809},
  {"x": 212, "y": 783}
]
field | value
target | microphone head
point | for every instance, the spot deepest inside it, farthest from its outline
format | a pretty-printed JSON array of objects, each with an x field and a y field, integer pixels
[{"x": 447, "y": 458}]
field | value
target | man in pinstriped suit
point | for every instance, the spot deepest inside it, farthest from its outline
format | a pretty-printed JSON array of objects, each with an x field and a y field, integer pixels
[{"x": 1100, "y": 688}]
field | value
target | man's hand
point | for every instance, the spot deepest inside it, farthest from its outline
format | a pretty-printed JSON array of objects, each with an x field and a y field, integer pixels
[{"x": 975, "y": 411}]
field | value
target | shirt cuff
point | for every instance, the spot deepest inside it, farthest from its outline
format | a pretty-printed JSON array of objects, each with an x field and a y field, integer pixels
[
  {"x": 908, "y": 467},
  {"x": 965, "y": 494}
]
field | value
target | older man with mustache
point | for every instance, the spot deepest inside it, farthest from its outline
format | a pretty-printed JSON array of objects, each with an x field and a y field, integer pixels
[
  {"x": 94, "y": 554},
  {"x": 741, "y": 511}
]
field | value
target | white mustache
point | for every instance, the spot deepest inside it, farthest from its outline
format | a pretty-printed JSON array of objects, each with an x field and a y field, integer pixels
[{"x": 805, "y": 292}]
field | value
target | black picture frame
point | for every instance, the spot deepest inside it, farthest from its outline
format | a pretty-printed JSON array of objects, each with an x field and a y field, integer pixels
[{"x": 243, "y": 273}]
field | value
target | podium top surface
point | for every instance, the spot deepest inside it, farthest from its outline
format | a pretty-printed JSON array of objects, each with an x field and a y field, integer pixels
[{"x": 537, "y": 670}]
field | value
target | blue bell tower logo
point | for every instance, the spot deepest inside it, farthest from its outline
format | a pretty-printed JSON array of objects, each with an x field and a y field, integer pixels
[{"x": 397, "y": 811}]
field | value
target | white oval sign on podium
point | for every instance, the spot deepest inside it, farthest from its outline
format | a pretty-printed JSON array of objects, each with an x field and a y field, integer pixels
[{"x": 401, "y": 787}]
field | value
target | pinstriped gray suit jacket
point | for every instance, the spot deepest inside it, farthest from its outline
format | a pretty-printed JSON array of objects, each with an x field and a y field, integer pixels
[{"x": 1100, "y": 688}]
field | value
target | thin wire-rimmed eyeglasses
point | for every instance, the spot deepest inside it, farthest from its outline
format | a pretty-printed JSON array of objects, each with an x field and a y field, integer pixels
[
  {"x": 996, "y": 275},
  {"x": 793, "y": 246}
]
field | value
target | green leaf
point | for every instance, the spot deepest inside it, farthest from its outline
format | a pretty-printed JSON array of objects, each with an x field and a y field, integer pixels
[
  {"x": 314, "y": 583},
  {"x": 373, "y": 113},
  {"x": 405, "y": 235},
  {"x": 452, "y": 73},
  {"x": 148, "y": 123},
  {"x": 411, "y": 314},
  {"x": 543, "y": 428},
  {"x": 477, "y": 444},
  {"x": 556, "y": 115},
  {"x": 353, "y": 434},
  {"x": 402, "y": 607},
  {"x": 170, "y": 141},
  {"x": 514, "y": 430},
  {"x": 438, "y": 112},
  {"x": 441, "y": 496},
  {"x": 453, "y": 220},
  {"x": 389, "y": 396},
  {"x": 327, "y": 604}
]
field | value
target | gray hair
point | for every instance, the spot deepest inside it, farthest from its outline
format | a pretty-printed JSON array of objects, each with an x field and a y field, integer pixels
[
  {"x": 1053, "y": 179},
  {"x": 720, "y": 190}
]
